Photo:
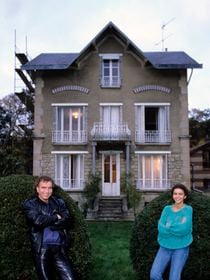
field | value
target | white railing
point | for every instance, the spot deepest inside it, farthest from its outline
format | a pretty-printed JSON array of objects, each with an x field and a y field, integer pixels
[
  {"x": 70, "y": 184},
  {"x": 110, "y": 82},
  {"x": 119, "y": 131},
  {"x": 69, "y": 137},
  {"x": 155, "y": 184},
  {"x": 153, "y": 136}
]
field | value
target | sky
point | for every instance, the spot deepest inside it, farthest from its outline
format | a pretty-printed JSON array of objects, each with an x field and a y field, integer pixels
[{"x": 43, "y": 26}]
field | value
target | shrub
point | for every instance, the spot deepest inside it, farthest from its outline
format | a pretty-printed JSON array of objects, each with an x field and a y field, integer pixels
[
  {"x": 129, "y": 188},
  {"x": 16, "y": 258},
  {"x": 91, "y": 190},
  {"x": 143, "y": 244}
]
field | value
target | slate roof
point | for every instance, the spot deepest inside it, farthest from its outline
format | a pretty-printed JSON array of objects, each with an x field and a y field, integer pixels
[
  {"x": 51, "y": 61},
  {"x": 159, "y": 60},
  {"x": 171, "y": 60}
]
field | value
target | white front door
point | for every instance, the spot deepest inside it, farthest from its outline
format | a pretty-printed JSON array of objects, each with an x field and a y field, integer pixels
[{"x": 111, "y": 174}]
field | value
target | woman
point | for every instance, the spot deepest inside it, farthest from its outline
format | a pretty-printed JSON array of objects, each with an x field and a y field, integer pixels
[{"x": 174, "y": 236}]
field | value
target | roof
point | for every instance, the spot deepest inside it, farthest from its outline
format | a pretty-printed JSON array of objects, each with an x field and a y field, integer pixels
[
  {"x": 159, "y": 60},
  {"x": 51, "y": 61},
  {"x": 200, "y": 147},
  {"x": 171, "y": 60}
]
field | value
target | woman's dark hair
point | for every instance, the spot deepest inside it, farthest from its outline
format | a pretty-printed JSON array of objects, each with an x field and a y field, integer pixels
[
  {"x": 42, "y": 179},
  {"x": 182, "y": 187}
]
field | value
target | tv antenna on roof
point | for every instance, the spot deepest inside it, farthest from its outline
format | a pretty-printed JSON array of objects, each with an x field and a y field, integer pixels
[{"x": 163, "y": 35}]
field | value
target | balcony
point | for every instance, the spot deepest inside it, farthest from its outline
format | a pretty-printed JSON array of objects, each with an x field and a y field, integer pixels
[
  {"x": 153, "y": 184},
  {"x": 102, "y": 132},
  {"x": 70, "y": 184},
  {"x": 153, "y": 137},
  {"x": 73, "y": 137}
]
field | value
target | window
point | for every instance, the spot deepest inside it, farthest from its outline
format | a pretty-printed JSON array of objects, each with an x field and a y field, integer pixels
[
  {"x": 152, "y": 172},
  {"x": 111, "y": 115},
  {"x": 69, "y": 171},
  {"x": 151, "y": 118},
  {"x": 110, "y": 126},
  {"x": 206, "y": 159},
  {"x": 69, "y": 124},
  {"x": 152, "y": 123},
  {"x": 110, "y": 68}
]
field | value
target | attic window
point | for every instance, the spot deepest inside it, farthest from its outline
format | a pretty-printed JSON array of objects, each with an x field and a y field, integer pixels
[{"x": 110, "y": 70}]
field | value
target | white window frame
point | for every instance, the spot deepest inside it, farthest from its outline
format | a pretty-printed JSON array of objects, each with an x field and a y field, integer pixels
[
  {"x": 111, "y": 80},
  {"x": 61, "y": 136},
  {"x": 67, "y": 183},
  {"x": 152, "y": 184},
  {"x": 160, "y": 136}
]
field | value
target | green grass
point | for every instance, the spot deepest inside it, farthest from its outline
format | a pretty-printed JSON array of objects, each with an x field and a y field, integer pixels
[{"x": 110, "y": 249}]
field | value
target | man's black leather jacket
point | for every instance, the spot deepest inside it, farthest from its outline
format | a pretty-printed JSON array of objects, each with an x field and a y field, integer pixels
[{"x": 39, "y": 215}]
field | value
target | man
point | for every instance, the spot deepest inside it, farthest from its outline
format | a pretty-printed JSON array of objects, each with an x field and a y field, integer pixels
[{"x": 48, "y": 219}]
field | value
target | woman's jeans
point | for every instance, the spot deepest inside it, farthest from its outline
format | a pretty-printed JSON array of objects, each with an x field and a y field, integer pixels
[{"x": 164, "y": 256}]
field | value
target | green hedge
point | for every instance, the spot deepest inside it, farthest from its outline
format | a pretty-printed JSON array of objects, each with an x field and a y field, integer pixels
[
  {"x": 143, "y": 244},
  {"x": 15, "y": 257}
]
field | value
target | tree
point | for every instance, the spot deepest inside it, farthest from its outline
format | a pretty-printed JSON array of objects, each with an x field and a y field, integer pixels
[
  {"x": 16, "y": 123},
  {"x": 199, "y": 124}
]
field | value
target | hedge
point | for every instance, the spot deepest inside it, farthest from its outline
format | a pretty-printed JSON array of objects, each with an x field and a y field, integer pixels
[
  {"x": 143, "y": 244},
  {"x": 16, "y": 258}
]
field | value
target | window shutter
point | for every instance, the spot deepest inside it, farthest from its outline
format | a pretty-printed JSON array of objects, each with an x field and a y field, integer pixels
[
  {"x": 55, "y": 117},
  {"x": 101, "y": 72},
  {"x": 120, "y": 71}
]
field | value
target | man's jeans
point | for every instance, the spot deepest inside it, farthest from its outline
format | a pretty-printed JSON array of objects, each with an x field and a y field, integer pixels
[{"x": 177, "y": 257}]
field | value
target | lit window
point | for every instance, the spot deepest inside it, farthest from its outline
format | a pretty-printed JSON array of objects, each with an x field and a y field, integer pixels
[
  {"x": 69, "y": 125},
  {"x": 152, "y": 172}
]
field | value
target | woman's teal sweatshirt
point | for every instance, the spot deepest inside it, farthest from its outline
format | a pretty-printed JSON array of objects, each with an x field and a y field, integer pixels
[{"x": 175, "y": 227}]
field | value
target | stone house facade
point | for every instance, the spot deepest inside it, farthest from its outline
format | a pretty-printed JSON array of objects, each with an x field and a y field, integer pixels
[{"x": 115, "y": 109}]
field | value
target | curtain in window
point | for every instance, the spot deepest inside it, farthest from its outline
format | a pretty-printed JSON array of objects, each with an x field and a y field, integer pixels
[
  {"x": 69, "y": 123},
  {"x": 140, "y": 124},
  {"x": 69, "y": 171},
  {"x": 152, "y": 171},
  {"x": 111, "y": 116}
]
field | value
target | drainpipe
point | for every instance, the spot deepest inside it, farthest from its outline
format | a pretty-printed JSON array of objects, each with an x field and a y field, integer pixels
[
  {"x": 192, "y": 177},
  {"x": 94, "y": 158},
  {"x": 190, "y": 76},
  {"x": 127, "y": 158}
]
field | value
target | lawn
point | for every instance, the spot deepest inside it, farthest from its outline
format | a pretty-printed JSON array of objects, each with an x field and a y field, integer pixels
[{"x": 110, "y": 250}]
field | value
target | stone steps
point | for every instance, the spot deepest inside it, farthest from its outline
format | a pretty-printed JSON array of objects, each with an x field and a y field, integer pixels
[{"x": 110, "y": 208}]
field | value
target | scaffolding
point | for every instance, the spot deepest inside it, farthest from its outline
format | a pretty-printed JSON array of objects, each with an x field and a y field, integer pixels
[{"x": 23, "y": 80}]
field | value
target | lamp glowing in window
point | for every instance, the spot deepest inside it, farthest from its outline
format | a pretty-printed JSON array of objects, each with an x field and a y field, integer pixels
[{"x": 75, "y": 115}]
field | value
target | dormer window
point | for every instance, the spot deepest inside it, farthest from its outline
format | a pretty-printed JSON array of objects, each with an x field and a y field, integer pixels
[{"x": 110, "y": 70}]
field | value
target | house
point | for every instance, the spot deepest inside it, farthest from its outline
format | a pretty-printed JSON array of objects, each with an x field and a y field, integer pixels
[
  {"x": 200, "y": 167},
  {"x": 115, "y": 109}
]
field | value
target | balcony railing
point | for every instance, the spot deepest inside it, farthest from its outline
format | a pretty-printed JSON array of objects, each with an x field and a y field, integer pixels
[
  {"x": 155, "y": 184},
  {"x": 113, "y": 132},
  {"x": 153, "y": 136},
  {"x": 70, "y": 184},
  {"x": 69, "y": 137},
  {"x": 110, "y": 82}
]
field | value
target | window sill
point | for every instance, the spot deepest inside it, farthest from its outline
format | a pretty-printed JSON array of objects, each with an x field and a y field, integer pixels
[{"x": 111, "y": 86}]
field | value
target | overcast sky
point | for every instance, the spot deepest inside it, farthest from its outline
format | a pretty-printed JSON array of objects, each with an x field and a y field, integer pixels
[{"x": 69, "y": 25}]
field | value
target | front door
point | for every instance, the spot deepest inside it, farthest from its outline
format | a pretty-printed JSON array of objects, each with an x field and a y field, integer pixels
[{"x": 111, "y": 174}]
